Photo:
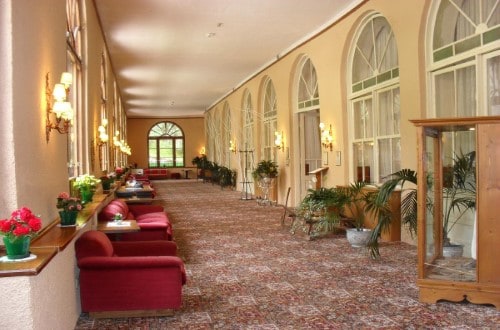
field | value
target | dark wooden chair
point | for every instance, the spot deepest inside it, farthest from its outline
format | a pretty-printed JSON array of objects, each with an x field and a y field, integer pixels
[{"x": 288, "y": 212}]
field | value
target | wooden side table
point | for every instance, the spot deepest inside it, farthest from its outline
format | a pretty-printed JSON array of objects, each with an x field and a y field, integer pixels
[{"x": 110, "y": 227}]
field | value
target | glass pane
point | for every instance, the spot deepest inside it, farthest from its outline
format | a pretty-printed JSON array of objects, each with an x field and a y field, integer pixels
[
  {"x": 179, "y": 153},
  {"x": 152, "y": 153},
  {"x": 358, "y": 128},
  {"x": 450, "y": 218},
  {"x": 445, "y": 95},
  {"x": 385, "y": 122},
  {"x": 385, "y": 152},
  {"x": 367, "y": 118},
  {"x": 493, "y": 81},
  {"x": 466, "y": 92},
  {"x": 368, "y": 170}
]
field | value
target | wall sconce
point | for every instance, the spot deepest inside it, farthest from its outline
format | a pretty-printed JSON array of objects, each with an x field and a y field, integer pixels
[
  {"x": 326, "y": 137},
  {"x": 103, "y": 135},
  {"x": 57, "y": 103},
  {"x": 202, "y": 151},
  {"x": 116, "y": 139},
  {"x": 232, "y": 146},
  {"x": 278, "y": 141}
]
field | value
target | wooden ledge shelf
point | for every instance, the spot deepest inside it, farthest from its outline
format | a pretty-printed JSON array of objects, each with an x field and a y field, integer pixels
[
  {"x": 53, "y": 239},
  {"x": 28, "y": 268}
]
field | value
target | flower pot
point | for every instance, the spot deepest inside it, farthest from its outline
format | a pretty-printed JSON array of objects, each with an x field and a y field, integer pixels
[
  {"x": 358, "y": 238},
  {"x": 106, "y": 185},
  {"x": 86, "y": 196},
  {"x": 17, "y": 247},
  {"x": 453, "y": 251},
  {"x": 68, "y": 218}
]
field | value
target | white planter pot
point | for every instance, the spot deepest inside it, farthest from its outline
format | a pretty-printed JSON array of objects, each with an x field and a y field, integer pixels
[
  {"x": 453, "y": 251},
  {"x": 358, "y": 238}
]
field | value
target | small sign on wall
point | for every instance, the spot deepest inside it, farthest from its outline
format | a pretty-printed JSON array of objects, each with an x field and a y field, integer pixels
[{"x": 338, "y": 158}]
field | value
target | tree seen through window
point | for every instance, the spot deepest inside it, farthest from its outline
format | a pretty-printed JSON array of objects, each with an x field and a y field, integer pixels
[{"x": 166, "y": 145}]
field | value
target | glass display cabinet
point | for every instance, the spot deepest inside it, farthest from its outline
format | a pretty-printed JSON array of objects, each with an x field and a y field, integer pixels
[{"x": 458, "y": 209}]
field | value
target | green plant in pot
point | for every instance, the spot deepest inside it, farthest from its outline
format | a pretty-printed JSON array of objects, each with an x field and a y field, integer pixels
[
  {"x": 265, "y": 169},
  {"x": 459, "y": 197},
  {"x": 87, "y": 185},
  {"x": 323, "y": 207},
  {"x": 68, "y": 208},
  {"x": 356, "y": 197},
  {"x": 377, "y": 202}
]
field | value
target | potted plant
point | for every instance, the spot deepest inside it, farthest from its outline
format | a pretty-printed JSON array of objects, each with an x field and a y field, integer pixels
[
  {"x": 321, "y": 209},
  {"x": 377, "y": 203},
  {"x": 68, "y": 208},
  {"x": 265, "y": 169},
  {"x": 86, "y": 184},
  {"x": 356, "y": 197},
  {"x": 459, "y": 196},
  {"x": 107, "y": 181},
  {"x": 18, "y": 231}
]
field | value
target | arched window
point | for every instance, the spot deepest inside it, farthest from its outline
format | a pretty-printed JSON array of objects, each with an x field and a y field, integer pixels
[
  {"x": 308, "y": 120},
  {"x": 374, "y": 118},
  {"x": 308, "y": 92},
  {"x": 464, "y": 64},
  {"x": 166, "y": 145},
  {"x": 269, "y": 121},
  {"x": 103, "y": 148},
  {"x": 74, "y": 43}
]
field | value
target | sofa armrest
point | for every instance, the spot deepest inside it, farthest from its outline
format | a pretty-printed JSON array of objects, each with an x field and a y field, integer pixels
[
  {"x": 144, "y": 248},
  {"x": 110, "y": 263}
]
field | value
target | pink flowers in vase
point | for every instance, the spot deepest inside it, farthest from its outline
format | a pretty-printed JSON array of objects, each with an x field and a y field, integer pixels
[{"x": 67, "y": 203}]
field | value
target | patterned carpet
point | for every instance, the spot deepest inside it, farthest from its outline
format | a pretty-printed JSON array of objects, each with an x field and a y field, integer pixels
[{"x": 246, "y": 271}]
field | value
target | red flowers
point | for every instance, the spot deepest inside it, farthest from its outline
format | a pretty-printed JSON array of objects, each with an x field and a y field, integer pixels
[{"x": 22, "y": 222}]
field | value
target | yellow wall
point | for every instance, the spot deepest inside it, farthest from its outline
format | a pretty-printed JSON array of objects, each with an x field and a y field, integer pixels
[
  {"x": 138, "y": 130},
  {"x": 329, "y": 53}
]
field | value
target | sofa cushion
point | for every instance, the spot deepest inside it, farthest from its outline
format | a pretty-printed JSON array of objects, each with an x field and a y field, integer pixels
[
  {"x": 109, "y": 211},
  {"x": 93, "y": 243}
]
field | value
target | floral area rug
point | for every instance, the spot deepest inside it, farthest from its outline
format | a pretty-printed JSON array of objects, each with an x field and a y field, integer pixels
[{"x": 246, "y": 271}]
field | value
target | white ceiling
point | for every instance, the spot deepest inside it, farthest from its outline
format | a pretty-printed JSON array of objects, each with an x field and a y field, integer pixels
[{"x": 176, "y": 58}]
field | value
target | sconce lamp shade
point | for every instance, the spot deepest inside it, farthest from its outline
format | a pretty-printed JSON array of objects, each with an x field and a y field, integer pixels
[
  {"x": 59, "y": 92},
  {"x": 63, "y": 110},
  {"x": 66, "y": 79}
]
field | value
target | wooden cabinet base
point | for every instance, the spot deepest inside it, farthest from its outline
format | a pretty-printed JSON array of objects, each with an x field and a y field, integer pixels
[{"x": 433, "y": 291}]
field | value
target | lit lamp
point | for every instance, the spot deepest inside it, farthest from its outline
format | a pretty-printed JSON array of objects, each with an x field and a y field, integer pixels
[
  {"x": 202, "y": 151},
  {"x": 58, "y": 104},
  {"x": 278, "y": 141},
  {"x": 103, "y": 135},
  {"x": 232, "y": 146},
  {"x": 326, "y": 137}
]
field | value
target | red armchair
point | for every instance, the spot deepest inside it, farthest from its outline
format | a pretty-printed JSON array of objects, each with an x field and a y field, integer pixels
[
  {"x": 152, "y": 220},
  {"x": 120, "y": 279}
]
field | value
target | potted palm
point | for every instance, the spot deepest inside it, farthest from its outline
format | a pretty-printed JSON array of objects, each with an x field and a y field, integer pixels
[
  {"x": 459, "y": 196},
  {"x": 356, "y": 197}
]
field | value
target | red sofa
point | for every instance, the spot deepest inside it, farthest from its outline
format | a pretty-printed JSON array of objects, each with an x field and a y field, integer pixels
[
  {"x": 127, "y": 278},
  {"x": 156, "y": 173},
  {"x": 152, "y": 220}
]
